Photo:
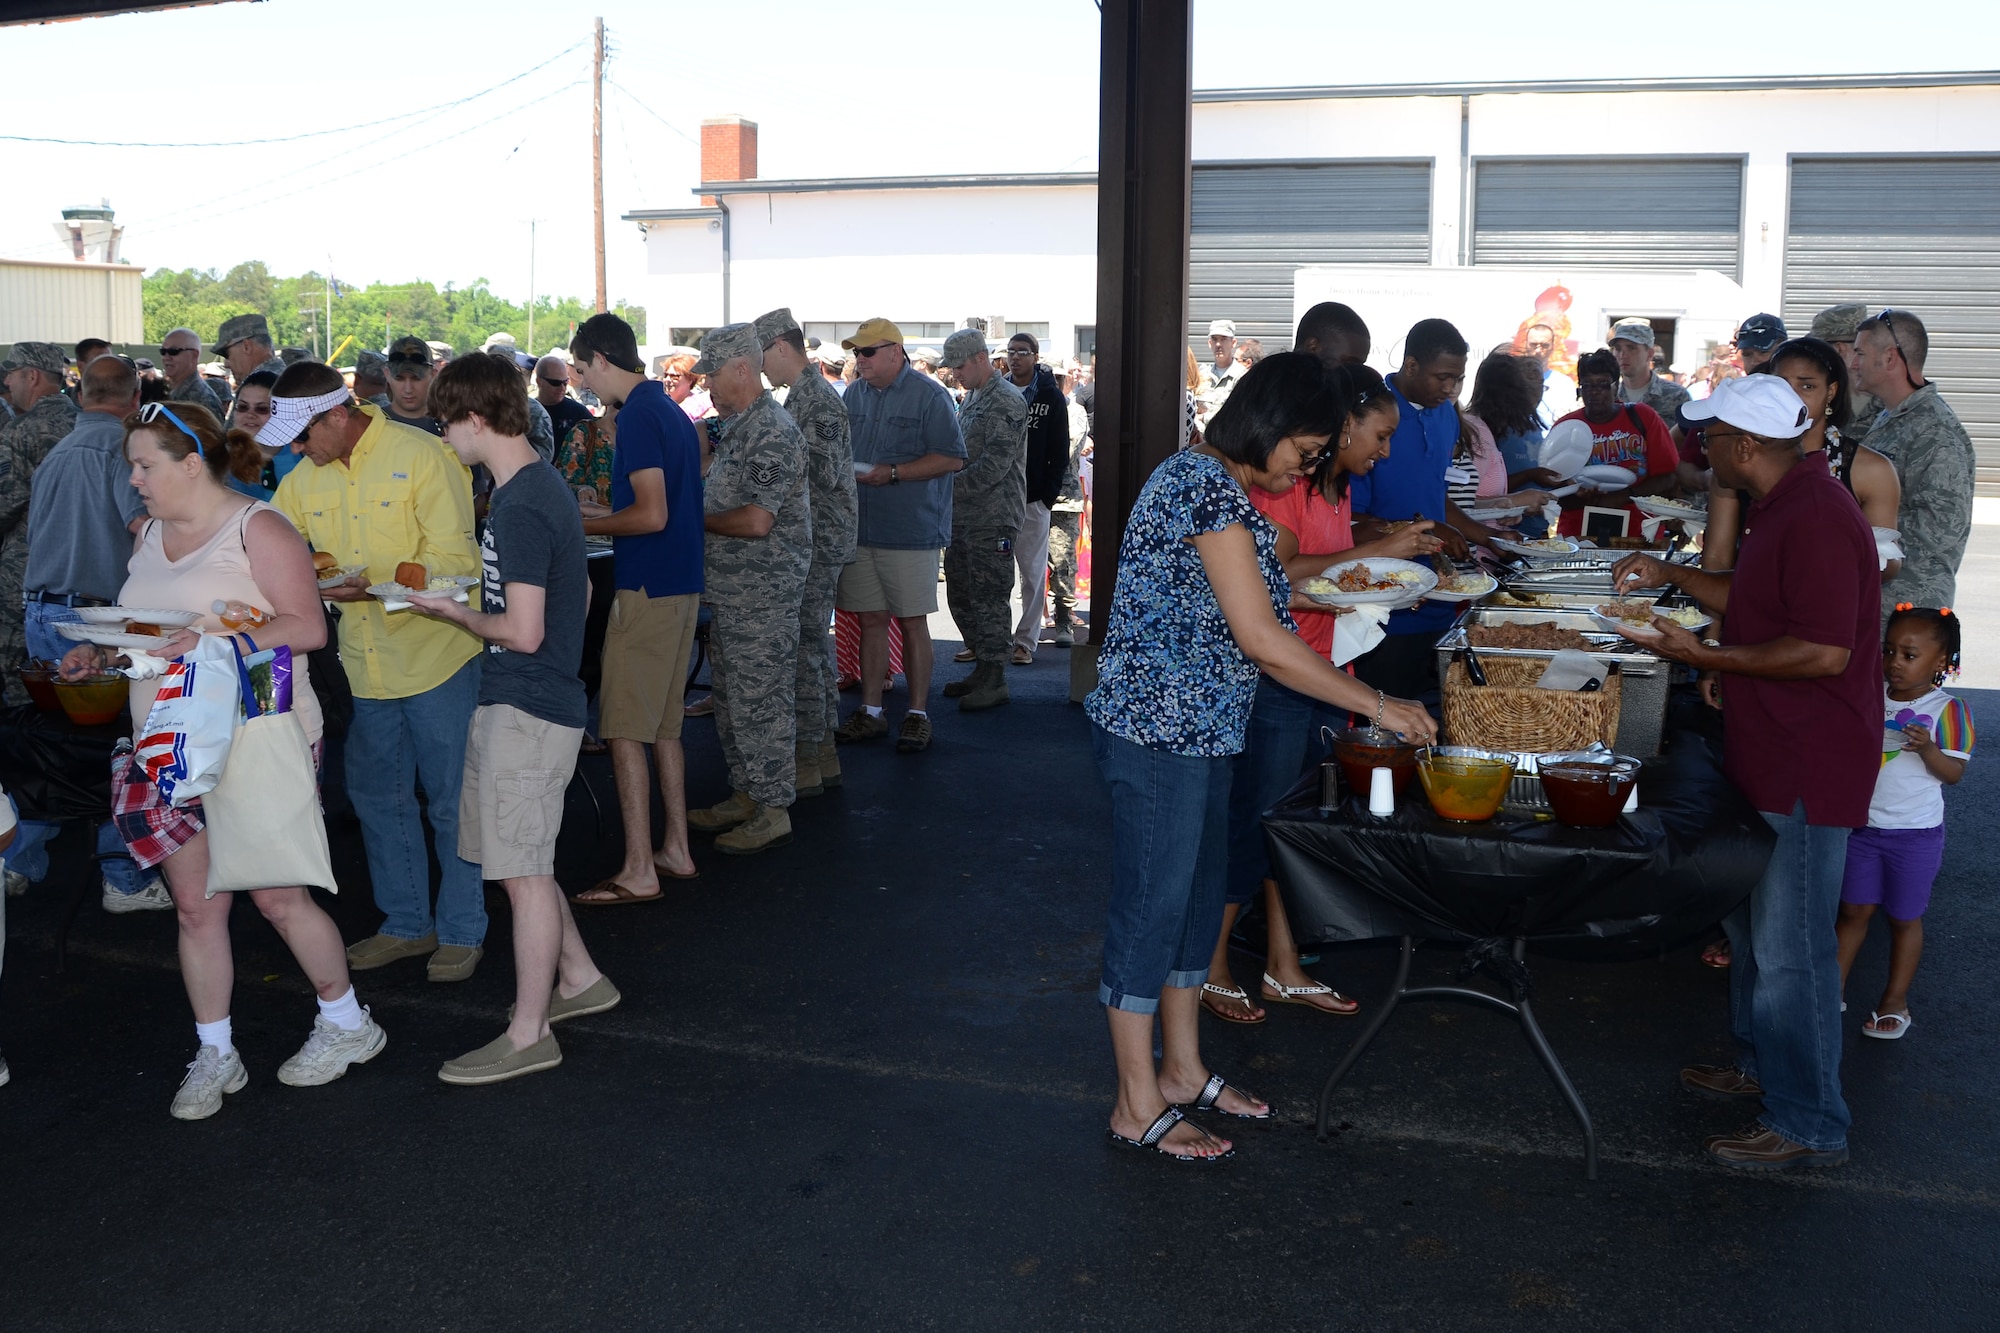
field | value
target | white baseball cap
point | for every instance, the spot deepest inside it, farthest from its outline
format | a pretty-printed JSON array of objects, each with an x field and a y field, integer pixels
[
  {"x": 1762, "y": 405},
  {"x": 1225, "y": 327}
]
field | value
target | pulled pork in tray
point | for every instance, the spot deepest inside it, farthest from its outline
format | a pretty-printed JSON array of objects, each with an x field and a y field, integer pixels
[{"x": 1542, "y": 635}]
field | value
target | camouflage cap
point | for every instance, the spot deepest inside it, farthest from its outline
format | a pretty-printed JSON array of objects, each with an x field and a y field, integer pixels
[
  {"x": 775, "y": 324},
  {"x": 1633, "y": 331},
  {"x": 371, "y": 364},
  {"x": 409, "y": 350},
  {"x": 1838, "y": 323},
  {"x": 45, "y": 357},
  {"x": 960, "y": 347},
  {"x": 237, "y": 328},
  {"x": 725, "y": 344}
]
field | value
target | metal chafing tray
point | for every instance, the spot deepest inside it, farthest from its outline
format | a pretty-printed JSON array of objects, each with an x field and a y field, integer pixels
[{"x": 1642, "y": 714}]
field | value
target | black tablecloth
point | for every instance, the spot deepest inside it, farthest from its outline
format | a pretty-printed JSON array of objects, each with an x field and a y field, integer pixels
[
  {"x": 1684, "y": 860},
  {"x": 54, "y": 769}
]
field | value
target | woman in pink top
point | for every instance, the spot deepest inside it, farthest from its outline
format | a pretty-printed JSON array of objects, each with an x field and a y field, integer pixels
[
  {"x": 1284, "y": 737},
  {"x": 206, "y": 543}
]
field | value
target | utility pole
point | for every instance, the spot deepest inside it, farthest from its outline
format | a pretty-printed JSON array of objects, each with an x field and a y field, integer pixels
[{"x": 597, "y": 155}]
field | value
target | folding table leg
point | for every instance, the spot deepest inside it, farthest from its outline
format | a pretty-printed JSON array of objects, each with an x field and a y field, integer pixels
[
  {"x": 1388, "y": 1007},
  {"x": 1547, "y": 1055}
]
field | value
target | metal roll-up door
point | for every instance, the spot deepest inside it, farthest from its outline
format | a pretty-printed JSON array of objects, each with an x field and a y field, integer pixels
[
  {"x": 1921, "y": 233},
  {"x": 1609, "y": 212},
  {"x": 1252, "y": 226}
]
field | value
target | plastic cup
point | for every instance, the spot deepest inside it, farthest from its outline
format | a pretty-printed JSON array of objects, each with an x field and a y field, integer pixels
[{"x": 1381, "y": 792}]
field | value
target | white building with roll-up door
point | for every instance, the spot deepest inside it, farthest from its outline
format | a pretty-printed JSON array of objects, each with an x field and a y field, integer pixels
[{"x": 1694, "y": 203}]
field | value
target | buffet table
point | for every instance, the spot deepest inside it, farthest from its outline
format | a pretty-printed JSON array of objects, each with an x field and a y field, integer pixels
[{"x": 1686, "y": 858}]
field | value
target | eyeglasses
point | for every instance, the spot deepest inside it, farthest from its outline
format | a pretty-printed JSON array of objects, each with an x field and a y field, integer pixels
[
  {"x": 176, "y": 351},
  {"x": 152, "y": 412},
  {"x": 870, "y": 351},
  {"x": 1020, "y": 351},
  {"x": 554, "y": 384}
]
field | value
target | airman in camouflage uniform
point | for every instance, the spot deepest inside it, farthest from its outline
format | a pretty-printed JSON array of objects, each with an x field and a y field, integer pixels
[
  {"x": 43, "y": 415},
  {"x": 989, "y": 498},
  {"x": 244, "y": 344},
  {"x": 1933, "y": 457},
  {"x": 817, "y": 411},
  {"x": 1661, "y": 394},
  {"x": 193, "y": 388},
  {"x": 753, "y": 583},
  {"x": 1837, "y": 325}
]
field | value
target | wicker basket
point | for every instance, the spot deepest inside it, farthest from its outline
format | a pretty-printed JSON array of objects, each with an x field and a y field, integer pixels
[{"x": 1509, "y": 713}]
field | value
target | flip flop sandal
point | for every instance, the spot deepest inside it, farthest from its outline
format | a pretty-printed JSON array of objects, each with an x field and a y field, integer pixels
[
  {"x": 1716, "y": 954},
  {"x": 1290, "y": 994},
  {"x": 1228, "y": 994},
  {"x": 1150, "y": 1140},
  {"x": 621, "y": 896},
  {"x": 1212, "y": 1093},
  {"x": 1902, "y": 1023}
]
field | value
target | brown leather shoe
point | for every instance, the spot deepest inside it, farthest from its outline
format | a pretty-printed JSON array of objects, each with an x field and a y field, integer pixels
[
  {"x": 1756, "y": 1148},
  {"x": 1725, "y": 1083}
]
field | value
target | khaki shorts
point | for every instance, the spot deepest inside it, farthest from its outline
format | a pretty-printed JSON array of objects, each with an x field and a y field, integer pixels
[
  {"x": 510, "y": 803},
  {"x": 903, "y": 583},
  {"x": 646, "y": 647}
]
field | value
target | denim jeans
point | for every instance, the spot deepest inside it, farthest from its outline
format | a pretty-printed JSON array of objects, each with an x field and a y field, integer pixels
[
  {"x": 30, "y": 855},
  {"x": 392, "y": 744},
  {"x": 1283, "y": 741},
  {"x": 1784, "y": 983},
  {"x": 1169, "y": 855}
]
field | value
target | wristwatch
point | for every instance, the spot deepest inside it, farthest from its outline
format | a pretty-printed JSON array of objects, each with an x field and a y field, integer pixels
[{"x": 893, "y": 478}]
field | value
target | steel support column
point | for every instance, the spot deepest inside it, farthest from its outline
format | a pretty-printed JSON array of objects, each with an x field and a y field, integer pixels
[{"x": 1145, "y": 97}]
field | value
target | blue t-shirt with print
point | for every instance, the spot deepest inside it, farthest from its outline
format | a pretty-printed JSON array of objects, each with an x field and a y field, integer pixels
[
  {"x": 1170, "y": 675},
  {"x": 653, "y": 432},
  {"x": 1410, "y": 482}
]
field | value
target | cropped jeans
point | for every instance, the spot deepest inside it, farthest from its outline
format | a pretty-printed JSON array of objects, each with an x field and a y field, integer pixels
[
  {"x": 1784, "y": 983},
  {"x": 1285, "y": 738},
  {"x": 1169, "y": 856},
  {"x": 392, "y": 744}
]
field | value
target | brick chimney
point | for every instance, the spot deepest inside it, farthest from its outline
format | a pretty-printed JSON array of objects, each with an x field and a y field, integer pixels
[{"x": 728, "y": 151}]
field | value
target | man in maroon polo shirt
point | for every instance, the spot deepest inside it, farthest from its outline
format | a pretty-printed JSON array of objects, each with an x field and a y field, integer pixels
[{"x": 1801, "y": 668}]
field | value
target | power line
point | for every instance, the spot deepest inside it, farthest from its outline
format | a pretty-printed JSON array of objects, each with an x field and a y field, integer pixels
[
  {"x": 649, "y": 111},
  {"x": 310, "y": 134}
]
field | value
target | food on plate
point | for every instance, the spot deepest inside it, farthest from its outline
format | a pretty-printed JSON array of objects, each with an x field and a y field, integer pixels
[
  {"x": 1540, "y": 599},
  {"x": 1559, "y": 545},
  {"x": 144, "y": 627},
  {"x": 325, "y": 562},
  {"x": 445, "y": 583},
  {"x": 1626, "y": 608},
  {"x": 1473, "y": 581},
  {"x": 1357, "y": 577},
  {"x": 413, "y": 575},
  {"x": 1539, "y": 635},
  {"x": 1318, "y": 587}
]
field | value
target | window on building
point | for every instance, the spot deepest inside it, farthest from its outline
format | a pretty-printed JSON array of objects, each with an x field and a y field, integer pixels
[
  {"x": 1039, "y": 331},
  {"x": 1086, "y": 342}
]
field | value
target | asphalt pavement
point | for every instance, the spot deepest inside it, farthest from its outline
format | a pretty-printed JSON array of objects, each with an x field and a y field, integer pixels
[{"x": 861, "y": 1083}]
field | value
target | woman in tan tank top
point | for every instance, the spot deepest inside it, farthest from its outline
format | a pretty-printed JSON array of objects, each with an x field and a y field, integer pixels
[{"x": 205, "y": 543}]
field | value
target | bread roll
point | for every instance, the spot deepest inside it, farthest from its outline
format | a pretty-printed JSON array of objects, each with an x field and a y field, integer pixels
[
  {"x": 413, "y": 575},
  {"x": 325, "y": 562},
  {"x": 142, "y": 627}
]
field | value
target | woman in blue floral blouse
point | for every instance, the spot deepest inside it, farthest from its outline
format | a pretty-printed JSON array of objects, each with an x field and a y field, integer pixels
[{"x": 1200, "y": 609}]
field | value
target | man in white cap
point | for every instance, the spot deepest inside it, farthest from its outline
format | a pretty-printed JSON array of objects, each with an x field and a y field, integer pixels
[
  {"x": 1220, "y": 378},
  {"x": 1801, "y": 668},
  {"x": 381, "y": 495}
]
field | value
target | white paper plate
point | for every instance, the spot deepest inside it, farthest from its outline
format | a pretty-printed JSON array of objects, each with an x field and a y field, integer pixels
[
  {"x": 395, "y": 597},
  {"x": 1606, "y": 477},
  {"x": 1498, "y": 514},
  {"x": 118, "y": 615},
  {"x": 1548, "y": 548},
  {"x": 1439, "y": 594},
  {"x": 1654, "y": 507},
  {"x": 1379, "y": 567},
  {"x": 106, "y": 637},
  {"x": 1567, "y": 447},
  {"x": 1644, "y": 629},
  {"x": 342, "y": 575}
]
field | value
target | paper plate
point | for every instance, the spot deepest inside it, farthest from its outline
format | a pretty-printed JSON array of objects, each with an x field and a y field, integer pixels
[
  {"x": 1409, "y": 591},
  {"x": 1477, "y": 585},
  {"x": 1567, "y": 447},
  {"x": 1644, "y": 628},
  {"x": 106, "y": 637},
  {"x": 1654, "y": 507},
  {"x": 395, "y": 597},
  {"x": 1497, "y": 514},
  {"x": 1606, "y": 477},
  {"x": 342, "y": 575},
  {"x": 1548, "y": 548},
  {"x": 118, "y": 615}
]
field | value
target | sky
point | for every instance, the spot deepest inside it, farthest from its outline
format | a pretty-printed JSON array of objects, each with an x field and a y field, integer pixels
[{"x": 450, "y": 195}]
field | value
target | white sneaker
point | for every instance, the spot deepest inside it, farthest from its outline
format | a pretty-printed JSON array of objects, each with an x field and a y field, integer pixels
[
  {"x": 331, "y": 1049},
  {"x": 210, "y": 1074},
  {"x": 153, "y": 898},
  {"x": 4, "y": 1075}
]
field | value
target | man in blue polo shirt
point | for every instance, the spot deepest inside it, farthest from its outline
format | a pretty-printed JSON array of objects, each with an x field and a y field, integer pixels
[{"x": 1410, "y": 483}]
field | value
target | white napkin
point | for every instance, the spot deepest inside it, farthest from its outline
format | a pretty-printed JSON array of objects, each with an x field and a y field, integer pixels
[
  {"x": 1356, "y": 631},
  {"x": 1888, "y": 545},
  {"x": 1570, "y": 669},
  {"x": 1649, "y": 528},
  {"x": 144, "y": 666}
]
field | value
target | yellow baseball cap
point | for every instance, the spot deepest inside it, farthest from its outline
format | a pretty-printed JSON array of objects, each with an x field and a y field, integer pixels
[{"x": 873, "y": 334}]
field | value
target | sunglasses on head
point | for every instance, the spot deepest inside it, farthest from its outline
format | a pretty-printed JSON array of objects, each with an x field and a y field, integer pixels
[
  {"x": 152, "y": 412},
  {"x": 1887, "y": 319}
]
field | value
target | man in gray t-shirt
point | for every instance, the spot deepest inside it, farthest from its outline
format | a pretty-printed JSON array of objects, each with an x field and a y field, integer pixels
[{"x": 904, "y": 429}]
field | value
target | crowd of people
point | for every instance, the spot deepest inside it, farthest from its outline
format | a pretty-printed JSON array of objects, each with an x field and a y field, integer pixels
[
  {"x": 766, "y": 488},
  {"x": 1219, "y": 690}
]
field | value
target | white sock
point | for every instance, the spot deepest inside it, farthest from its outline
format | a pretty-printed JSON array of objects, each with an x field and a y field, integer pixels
[
  {"x": 916, "y": 712},
  {"x": 344, "y": 1013},
  {"x": 216, "y": 1034},
  {"x": 873, "y": 710}
]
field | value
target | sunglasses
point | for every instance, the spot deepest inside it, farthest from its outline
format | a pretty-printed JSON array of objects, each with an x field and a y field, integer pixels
[
  {"x": 553, "y": 384},
  {"x": 1887, "y": 319},
  {"x": 152, "y": 412},
  {"x": 870, "y": 351},
  {"x": 176, "y": 351}
]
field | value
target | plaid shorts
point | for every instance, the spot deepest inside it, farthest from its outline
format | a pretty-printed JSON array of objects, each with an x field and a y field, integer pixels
[{"x": 152, "y": 829}]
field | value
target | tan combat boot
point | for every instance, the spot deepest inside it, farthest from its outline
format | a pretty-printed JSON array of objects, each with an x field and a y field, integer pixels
[
  {"x": 728, "y": 814},
  {"x": 988, "y": 688},
  {"x": 805, "y": 764},
  {"x": 828, "y": 761},
  {"x": 771, "y": 826}
]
